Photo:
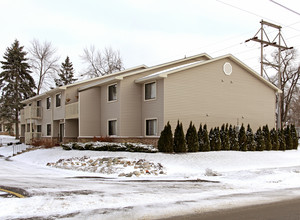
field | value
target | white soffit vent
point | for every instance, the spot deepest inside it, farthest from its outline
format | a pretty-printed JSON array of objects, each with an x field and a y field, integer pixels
[{"x": 227, "y": 68}]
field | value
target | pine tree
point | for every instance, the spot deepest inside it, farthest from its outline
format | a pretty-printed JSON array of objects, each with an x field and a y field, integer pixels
[
  {"x": 274, "y": 139},
  {"x": 179, "y": 140},
  {"x": 192, "y": 139},
  {"x": 16, "y": 81},
  {"x": 294, "y": 137},
  {"x": 233, "y": 140},
  {"x": 251, "y": 145},
  {"x": 242, "y": 139},
  {"x": 165, "y": 141},
  {"x": 259, "y": 139},
  {"x": 217, "y": 139},
  {"x": 267, "y": 137},
  {"x": 281, "y": 140},
  {"x": 66, "y": 75},
  {"x": 288, "y": 138}
]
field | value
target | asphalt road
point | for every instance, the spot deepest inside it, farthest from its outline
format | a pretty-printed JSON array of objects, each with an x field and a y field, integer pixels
[{"x": 285, "y": 210}]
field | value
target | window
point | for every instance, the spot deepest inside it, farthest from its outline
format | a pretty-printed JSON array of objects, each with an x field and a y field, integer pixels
[
  {"x": 58, "y": 99},
  {"x": 150, "y": 91},
  {"x": 112, "y": 127},
  {"x": 48, "y": 103},
  {"x": 48, "y": 129},
  {"x": 39, "y": 128},
  {"x": 38, "y": 103},
  {"x": 151, "y": 127},
  {"x": 112, "y": 93}
]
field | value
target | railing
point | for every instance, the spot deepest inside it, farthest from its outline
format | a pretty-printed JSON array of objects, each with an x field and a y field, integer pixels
[
  {"x": 72, "y": 110},
  {"x": 33, "y": 112},
  {"x": 29, "y": 136}
]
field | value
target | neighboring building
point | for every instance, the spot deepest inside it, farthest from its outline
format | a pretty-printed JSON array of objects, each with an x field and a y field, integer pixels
[{"x": 135, "y": 104}]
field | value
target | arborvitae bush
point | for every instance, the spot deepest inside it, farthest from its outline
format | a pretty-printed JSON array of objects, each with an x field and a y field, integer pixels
[
  {"x": 206, "y": 144},
  {"x": 165, "y": 142},
  {"x": 217, "y": 139},
  {"x": 267, "y": 138},
  {"x": 288, "y": 138},
  {"x": 251, "y": 145},
  {"x": 242, "y": 139},
  {"x": 179, "y": 140},
  {"x": 259, "y": 139},
  {"x": 224, "y": 137},
  {"x": 294, "y": 137},
  {"x": 281, "y": 139},
  {"x": 274, "y": 139},
  {"x": 192, "y": 139},
  {"x": 233, "y": 140},
  {"x": 200, "y": 140},
  {"x": 212, "y": 139}
]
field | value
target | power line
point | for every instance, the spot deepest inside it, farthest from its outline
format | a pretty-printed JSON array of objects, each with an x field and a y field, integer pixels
[{"x": 284, "y": 7}]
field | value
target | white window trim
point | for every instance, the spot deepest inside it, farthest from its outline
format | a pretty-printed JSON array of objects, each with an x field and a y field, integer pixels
[
  {"x": 145, "y": 126},
  {"x": 108, "y": 93},
  {"x": 144, "y": 92},
  {"x": 60, "y": 100},
  {"x": 47, "y": 130},
  {"x": 113, "y": 119},
  {"x": 47, "y": 103}
]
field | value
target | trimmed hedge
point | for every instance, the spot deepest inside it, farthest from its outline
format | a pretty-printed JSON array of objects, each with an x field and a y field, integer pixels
[{"x": 107, "y": 146}]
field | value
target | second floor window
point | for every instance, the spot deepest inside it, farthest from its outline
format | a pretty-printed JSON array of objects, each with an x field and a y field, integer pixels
[
  {"x": 150, "y": 91},
  {"x": 48, "y": 103},
  {"x": 112, "y": 93},
  {"x": 58, "y": 99}
]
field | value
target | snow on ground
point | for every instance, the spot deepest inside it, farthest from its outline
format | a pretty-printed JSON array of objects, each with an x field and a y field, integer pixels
[{"x": 192, "y": 183}]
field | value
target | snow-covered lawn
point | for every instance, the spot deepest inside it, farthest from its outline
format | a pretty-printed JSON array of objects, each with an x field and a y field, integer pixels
[{"x": 191, "y": 183}]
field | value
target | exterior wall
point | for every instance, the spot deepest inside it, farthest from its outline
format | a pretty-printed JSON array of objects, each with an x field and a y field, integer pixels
[
  {"x": 109, "y": 110},
  {"x": 131, "y": 106},
  {"x": 89, "y": 111},
  {"x": 46, "y": 115},
  {"x": 59, "y": 112},
  {"x": 71, "y": 128},
  {"x": 206, "y": 95},
  {"x": 153, "y": 109}
]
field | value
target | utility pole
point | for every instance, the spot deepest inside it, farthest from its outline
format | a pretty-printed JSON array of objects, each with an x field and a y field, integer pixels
[{"x": 276, "y": 42}]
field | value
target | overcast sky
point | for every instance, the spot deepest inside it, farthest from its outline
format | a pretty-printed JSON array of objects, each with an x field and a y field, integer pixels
[{"x": 147, "y": 32}]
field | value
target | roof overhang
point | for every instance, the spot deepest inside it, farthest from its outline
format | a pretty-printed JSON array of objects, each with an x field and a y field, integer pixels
[
  {"x": 99, "y": 83},
  {"x": 45, "y": 94}
]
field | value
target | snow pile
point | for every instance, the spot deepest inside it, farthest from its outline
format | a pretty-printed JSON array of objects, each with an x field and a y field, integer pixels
[
  {"x": 110, "y": 165},
  {"x": 108, "y": 146}
]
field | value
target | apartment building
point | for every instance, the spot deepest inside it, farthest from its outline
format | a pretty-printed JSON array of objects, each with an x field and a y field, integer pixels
[{"x": 135, "y": 104}]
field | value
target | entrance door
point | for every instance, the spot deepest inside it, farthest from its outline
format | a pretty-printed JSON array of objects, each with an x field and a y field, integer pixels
[{"x": 61, "y": 132}]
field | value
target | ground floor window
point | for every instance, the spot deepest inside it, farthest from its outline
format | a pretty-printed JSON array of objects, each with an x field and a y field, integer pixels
[
  {"x": 39, "y": 128},
  {"x": 48, "y": 129},
  {"x": 112, "y": 127},
  {"x": 151, "y": 127}
]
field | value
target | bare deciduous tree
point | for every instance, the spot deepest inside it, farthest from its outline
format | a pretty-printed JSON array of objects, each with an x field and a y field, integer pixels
[
  {"x": 290, "y": 75},
  {"x": 44, "y": 64},
  {"x": 101, "y": 63}
]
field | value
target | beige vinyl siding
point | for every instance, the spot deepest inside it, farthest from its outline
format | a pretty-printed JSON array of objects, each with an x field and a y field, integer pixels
[
  {"x": 131, "y": 106},
  {"x": 46, "y": 115},
  {"x": 154, "y": 109},
  {"x": 71, "y": 128},
  {"x": 58, "y": 112},
  {"x": 205, "y": 94},
  {"x": 89, "y": 112},
  {"x": 109, "y": 110}
]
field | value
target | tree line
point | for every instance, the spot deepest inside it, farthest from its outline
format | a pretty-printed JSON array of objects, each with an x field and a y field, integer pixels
[
  {"x": 28, "y": 73},
  {"x": 226, "y": 138}
]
